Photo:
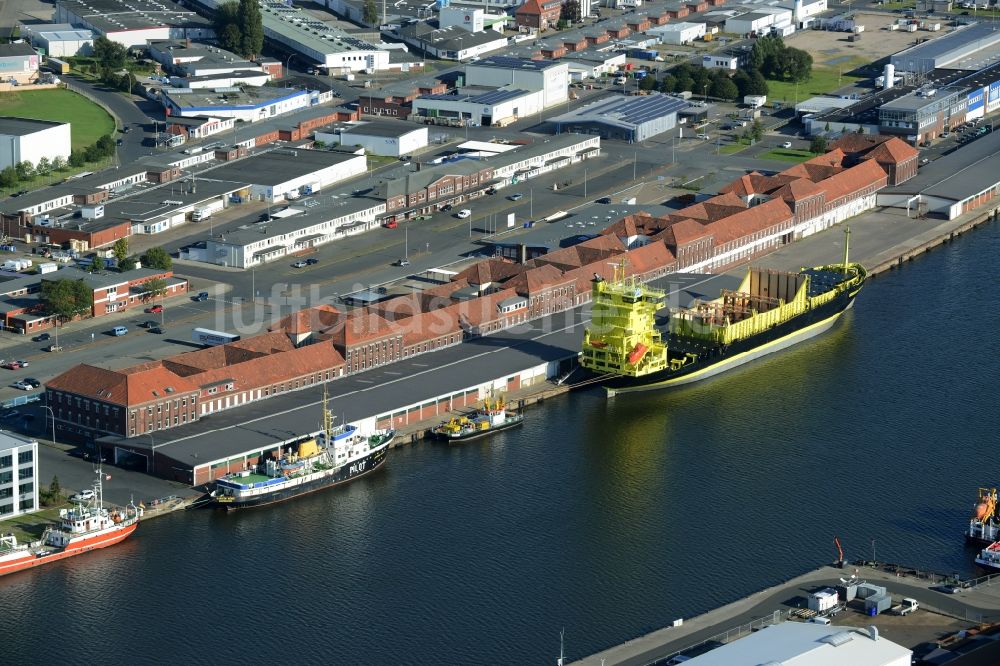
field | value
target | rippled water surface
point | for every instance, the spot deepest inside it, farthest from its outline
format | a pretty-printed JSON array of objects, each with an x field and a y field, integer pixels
[{"x": 608, "y": 518}]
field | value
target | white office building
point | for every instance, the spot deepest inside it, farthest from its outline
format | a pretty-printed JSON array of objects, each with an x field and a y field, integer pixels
[
  {"x": 18, "y": 475},
  {"x": 678, "y": 33},
  {"x": 62, "y": 40},
  {"x": 29, "y": 140},
  {"x": 387, "y": 138},
  {"x": 551, "y": 78}
]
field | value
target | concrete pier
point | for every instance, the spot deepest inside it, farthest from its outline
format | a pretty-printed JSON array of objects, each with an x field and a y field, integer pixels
[{"x": 971, "y": 606}]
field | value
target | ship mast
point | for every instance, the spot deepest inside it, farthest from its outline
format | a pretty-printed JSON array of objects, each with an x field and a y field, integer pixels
[
  {"x": 327, "y": 420},
  {"x": 562, "y": 657},
  {"x": 847, "y": 247}
]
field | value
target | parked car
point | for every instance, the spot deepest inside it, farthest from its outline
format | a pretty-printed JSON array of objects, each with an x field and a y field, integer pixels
[
  {"x": 391, "y": 224},
  {"x": 32, "y": 381},
  {"x": 23, "y": 385},
  {"x": 119, "y": 331},
  {"x": 159, "y": 330},
  {"x": 402, "y": 262},
  {"x": 703, "y": 136},
  {"x": 155, "y": 309},
  {"x": 15, "y": 365},
  {"x": 517, "y": 196},
  {"x": 82, "y": 496},
  {"x": 202, "y": 296},
  {"x": 447, "y": 207},
  {"x": 786, "y": 144},
  {"x": 604, "y": 200},
  {"x": 925, "y": 160},
  {"x": 299, "y": 264},
  {"x": 149, "y": 324},
  {"x": 464, "y": 213},
  {"x": 312, "y": 262},
  {"x": 44, "y": 337}
]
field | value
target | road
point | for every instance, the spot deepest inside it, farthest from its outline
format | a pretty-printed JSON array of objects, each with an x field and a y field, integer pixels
[{"x": 131, "y": 111}]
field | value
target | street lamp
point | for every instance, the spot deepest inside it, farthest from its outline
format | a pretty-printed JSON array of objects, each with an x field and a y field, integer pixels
[
  {"x": 53, "y": 415},
  {"x": 704, "y": 93},
  {"x": 288, "y": 62}
]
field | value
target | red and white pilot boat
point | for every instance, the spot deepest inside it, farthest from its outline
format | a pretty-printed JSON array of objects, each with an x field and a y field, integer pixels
[{"x": 85, "y": 527}]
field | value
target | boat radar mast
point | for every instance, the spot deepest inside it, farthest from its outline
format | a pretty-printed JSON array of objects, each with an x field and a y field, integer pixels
[{"x": 847, "y": 248}]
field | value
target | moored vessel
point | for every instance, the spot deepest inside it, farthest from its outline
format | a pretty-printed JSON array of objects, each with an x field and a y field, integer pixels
[
  {"x": 87, "y": 526},
  {"x": 983, "y": 527},
  {"x": 331, "y": 457},
  {"x": 989, "y": 557},
  {"x": 492, "y": 417},
  {"x": 770, "y": 311}
]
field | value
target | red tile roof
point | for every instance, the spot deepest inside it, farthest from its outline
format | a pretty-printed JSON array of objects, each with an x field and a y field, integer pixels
[
  {"x": 649, "y": 257},
  {"x": 307, "y": 320},
  {"x": 275, "y": 368},
  {"x": 894, "y": 151},
  {"x": 489, "y": 271},
  {"x": 131, "y": 386},
  {"x": 756, "y": 218},
  {"x": 866, "y": 174},
  {"x": 535, "y": 280}
]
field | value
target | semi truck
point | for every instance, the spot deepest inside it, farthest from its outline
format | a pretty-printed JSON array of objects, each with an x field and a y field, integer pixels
[
  {"x": 205, "y": 336},
  {"x": 57, "y": 66},
  {"x": 206, "y": 211}
]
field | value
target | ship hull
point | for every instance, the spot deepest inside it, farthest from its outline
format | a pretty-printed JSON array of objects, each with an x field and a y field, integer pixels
[
  {"x": 84, "y": 545},
  {"x": 787, "y": 334},
  {"x": 479, "y": 434},
  {"x": 344, "y": 474}
]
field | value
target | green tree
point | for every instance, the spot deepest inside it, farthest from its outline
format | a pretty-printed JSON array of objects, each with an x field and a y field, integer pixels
[
  {"x": 59, "y": 163},
  {"x": 758, "y": 84},
  {"x": 97, "y": 265},
  {"x": 229, "y": 37},
  {"x": 77, "y": 158},
  {"x": 743, "y": 82},
  {"x": 724, "y": 88},
  {"x": 370, "y": 13},
  {"x": 798, "y": 64},
  {"x": 668, "y": 83},
  {"x": 120, "y": 250},
  {"x": 44, "y": 167},
  {"x": 25, "y": 170},
  {"x": 818, "y": 145},
  {"x": 684, "y": 83},
  {"x": 153, "y": 288},
  {"x": 106, "y": 146},
  {"x": 66, "y": 298},
  {"x": 861, "y": 129},
  {"x": 129, "y": 263},
  {"x": 92, "y": 153},
  {"x": 571, "y": 11},
  {"x": 647, "y": 83},
  {"x": 8, "y": 177},
  {"x": 109, "y": 54},
  {"x": 227, "y": 26},
  {"x": 251, "y": 29},
  {"x": 55, "y": 490},
  {"x": 757, "y": 130},
  {"x": 157, "y": 257}
]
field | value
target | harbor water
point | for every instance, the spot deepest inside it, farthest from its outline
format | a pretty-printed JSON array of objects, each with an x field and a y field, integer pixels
[{"x": 608, "y": 518}]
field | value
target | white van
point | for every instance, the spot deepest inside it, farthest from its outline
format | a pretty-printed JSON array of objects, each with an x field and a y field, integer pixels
[
  {"x": 820, "y": 620},
  {"x": 119, "y": 331}
]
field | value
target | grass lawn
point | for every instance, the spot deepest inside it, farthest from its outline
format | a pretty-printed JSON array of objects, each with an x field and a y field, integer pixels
[
  {"x": 787, "y": 155},
  {"x": 88, "y": 121},
  {"x": 823, "y": 80},
  {"x": 733, "y": 148},
  {"x": 30, "y": 527}
]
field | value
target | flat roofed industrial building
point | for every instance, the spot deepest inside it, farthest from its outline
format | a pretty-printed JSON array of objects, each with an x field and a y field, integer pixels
[
  {"x": 941, "y": 51},
  {"x": 135, "y": 22},
  {"x": 29, "y": 140},
  {"x": 18, "y": 62},
  {"x": 286, "y": 173},
  {"x": 805, "y": 644},
  {"x": 629, "y": 119},
  {"x": 392, "y": 139}
]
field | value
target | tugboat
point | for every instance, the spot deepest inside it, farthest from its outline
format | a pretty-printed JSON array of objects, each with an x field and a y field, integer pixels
[
  {"x": 492, "y": 417},
  {"x": 333, "y": 456},
  {"x": 989, "y": 557},
  {"x": 85, "y": 527},
  {"x": 770, "y": 311},
  {"x": 983, "y": 528}
]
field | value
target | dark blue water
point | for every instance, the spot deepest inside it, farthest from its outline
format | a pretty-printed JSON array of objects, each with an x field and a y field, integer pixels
[{"x": 607, "y": 518}]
